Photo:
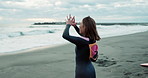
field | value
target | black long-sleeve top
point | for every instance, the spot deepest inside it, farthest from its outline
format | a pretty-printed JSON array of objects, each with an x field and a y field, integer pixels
[
  {"x": 82, "y": 45},
  {"x": 84, "y": 67}
]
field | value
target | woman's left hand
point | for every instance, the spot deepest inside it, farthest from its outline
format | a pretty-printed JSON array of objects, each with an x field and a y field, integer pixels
[{"x": 71, "y": 20}]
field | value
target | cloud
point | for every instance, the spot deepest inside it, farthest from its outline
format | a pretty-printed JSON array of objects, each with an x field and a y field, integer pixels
[
  {"x": 40, "y": 19},
  {"x": 9, "y": 10},
  {"x": 101, "y": 6},
  {"x": 13, "y": 0},
  {"x": 56, "y": 10},
  {"x": 58, "y": 3},
  {"x": 139, "y": 0},
  {"x": 1, "y": 18},
  {"x": 29, "y": 4},
  {"x": 130, "y": 4},
  {"x": 117, "y": 17}
]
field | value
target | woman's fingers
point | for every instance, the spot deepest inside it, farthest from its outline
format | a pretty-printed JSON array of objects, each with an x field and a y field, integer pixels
[
  {"x": 70, "y": 20},
  {"x": 69, "y": 16},
  {"x": 73, "y": 18}
]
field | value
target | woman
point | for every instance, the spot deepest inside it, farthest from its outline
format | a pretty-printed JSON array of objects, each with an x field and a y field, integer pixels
[{"x": 89, "y": 35}]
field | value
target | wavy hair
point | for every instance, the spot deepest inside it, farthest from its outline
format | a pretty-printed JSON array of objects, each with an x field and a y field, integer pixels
[{"x": 90, "y": 30}]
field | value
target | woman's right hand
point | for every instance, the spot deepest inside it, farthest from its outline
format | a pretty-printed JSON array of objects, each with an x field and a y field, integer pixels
[{"x": 71, "y": 20}]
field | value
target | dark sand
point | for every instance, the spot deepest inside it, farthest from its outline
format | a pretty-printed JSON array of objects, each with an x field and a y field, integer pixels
[{"x": 119, "y": 57}]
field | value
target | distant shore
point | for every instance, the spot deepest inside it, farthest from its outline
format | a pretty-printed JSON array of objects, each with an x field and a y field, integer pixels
[
  {"x": 119, "y": 57},
  {"x": 63, "y": 23}
]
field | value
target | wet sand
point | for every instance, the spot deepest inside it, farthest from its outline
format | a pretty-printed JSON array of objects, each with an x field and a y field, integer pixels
[{"x": 119, "y": 57}]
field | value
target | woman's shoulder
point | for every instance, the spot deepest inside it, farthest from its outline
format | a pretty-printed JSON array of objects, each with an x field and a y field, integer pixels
[{"x": 85, "y": 38}]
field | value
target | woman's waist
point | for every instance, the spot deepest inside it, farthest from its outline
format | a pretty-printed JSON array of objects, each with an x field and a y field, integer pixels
[
  {"x": 80, "y": 61},
  {"x": 83, "y": 64}
]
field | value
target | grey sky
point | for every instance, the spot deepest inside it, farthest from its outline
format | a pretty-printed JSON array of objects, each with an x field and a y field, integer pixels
[{"x": 22, "y": 12}]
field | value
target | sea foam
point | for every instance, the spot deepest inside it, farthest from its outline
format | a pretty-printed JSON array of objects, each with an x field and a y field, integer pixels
[{"x": 16, "y": 39}]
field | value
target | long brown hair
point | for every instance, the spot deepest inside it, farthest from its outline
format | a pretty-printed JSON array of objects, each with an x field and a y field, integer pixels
[{"x": 90, "y": 28}]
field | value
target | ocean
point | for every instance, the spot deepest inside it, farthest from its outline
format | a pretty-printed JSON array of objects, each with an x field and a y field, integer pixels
[{"x": 14, "y": 40}]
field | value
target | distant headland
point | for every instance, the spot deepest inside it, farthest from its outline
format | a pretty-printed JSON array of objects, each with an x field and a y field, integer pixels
[{"x": 63, "y": 23}]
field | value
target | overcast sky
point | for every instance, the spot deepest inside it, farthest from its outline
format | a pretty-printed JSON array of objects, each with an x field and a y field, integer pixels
[{"x": 20, "y": 12}]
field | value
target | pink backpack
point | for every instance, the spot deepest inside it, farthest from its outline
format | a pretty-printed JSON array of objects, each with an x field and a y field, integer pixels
[{"x": 93, "y": 52}]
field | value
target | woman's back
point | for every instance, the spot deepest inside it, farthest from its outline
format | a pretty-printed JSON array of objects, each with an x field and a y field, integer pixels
[{"x": 84, "y": 67}]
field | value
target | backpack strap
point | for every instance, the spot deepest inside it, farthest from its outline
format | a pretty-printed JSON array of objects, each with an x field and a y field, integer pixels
[{"x": 85, "y": 38}]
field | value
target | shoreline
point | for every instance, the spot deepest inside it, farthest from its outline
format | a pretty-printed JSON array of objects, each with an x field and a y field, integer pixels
[
  {"x": 50, "y": 46},
  {"x": 31, "y": 49}
]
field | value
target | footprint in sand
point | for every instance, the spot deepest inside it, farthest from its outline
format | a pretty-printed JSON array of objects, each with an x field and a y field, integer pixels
[{"x": 106, "y": 62}]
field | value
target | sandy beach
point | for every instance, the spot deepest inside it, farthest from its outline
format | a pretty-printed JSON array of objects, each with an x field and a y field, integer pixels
[{"x": 119, "y": 57}]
